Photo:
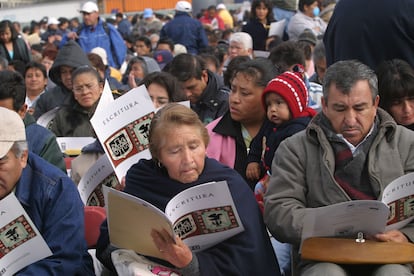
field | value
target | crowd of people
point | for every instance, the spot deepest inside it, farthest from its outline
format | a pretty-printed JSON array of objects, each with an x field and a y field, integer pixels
[{"x": 320, "y": 113}]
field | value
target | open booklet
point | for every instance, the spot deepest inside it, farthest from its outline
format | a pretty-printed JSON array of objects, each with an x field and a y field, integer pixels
[
  {"x": 122, "y": 127},
  {"x": 201, "y": 216},
  {"x": 21, "y": 244},
  {"x": 90, "y": 185},
  {"x": 346, "y": 219}
]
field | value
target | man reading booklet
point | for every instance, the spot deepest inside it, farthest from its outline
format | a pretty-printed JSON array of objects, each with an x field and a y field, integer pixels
[
  {"x": 352, "y": 150},
  {"x": 177, "y": 141},
  {"x": 50, "y": 201}
]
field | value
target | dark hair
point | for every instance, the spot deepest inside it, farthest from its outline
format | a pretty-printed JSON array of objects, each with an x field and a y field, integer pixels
[
  {"x": 8, "y": 24},
  {"x": 286, "y": 54},
  {"x": 12, "y": 86},
  {"x": 395, "y": 81},
  {"x": 268, "y": 5},
  {"x": 166, "y": 41},
  {"x": 302, "y": 3},
  {"x": 210, "y": 58},
  {"x": 86, "y": 69},
  {"x": 50, "y": 50},
  {"x": 131, "y": 62},
  {"x": 231, "y": 67},
  {"x": 260, "y": 70},
  {"x": 146, "y": 41},
  {"x": 36, "y": 65},
  {"x": 62, "y": 21},
  {"x": 96, "y": 61},
  {"x": 169, "y": 82},
  {"x": 187, "y": 66},
  {"x": 345, "y": 74}
]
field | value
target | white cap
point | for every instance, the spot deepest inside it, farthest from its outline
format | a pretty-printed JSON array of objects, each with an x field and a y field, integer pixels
[
  {"x": 102, "y": 53},
  {"x": 221, "y": 6},
  {"x": 52, "y": 20},
  {"x": 183, "y": 6},
  {"x": 11, "y": 130},
  {"x": 89, "y": 7}
]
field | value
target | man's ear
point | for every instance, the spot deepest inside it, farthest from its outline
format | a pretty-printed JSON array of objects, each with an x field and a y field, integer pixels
[
  {"x": 22, "y": 111},
  {"x": 23, "y": 158}
]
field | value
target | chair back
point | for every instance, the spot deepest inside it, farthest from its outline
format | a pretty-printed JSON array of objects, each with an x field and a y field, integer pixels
[{"x": 94, "y": 216}]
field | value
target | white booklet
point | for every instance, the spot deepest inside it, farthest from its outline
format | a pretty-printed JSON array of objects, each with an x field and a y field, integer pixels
[
  {"x": 277, "y": 28},
  {"x": 346, "y": 219},
  {"x": 201, "y": 216},
  {"x": 100, "y": 174},
  {"x": 21, "y": 244},
  {"x": 122, "y": 128}
]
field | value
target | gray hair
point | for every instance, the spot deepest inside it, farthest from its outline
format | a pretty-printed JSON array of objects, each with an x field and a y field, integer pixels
[
  {"x": 244, "y": 38},
  {"x": 19, "y": 147},
  {"x": 345, "y": 74},
  {"x": 319, "y": 51}
]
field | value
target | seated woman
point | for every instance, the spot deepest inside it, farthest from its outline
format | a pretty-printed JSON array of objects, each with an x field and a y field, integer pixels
[
  {"x": 72, "y": 120},
  {"x": 232, "y": 133},
  {"x": 163, "y": 88},
  {"x": 177, "y": 142},
  {"x": 396, "y": 90},
  {"x": 136, "y": 70}
]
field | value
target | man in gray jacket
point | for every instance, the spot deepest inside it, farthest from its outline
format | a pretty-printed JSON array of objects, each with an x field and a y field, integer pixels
[{"x": 351, "y": 150}]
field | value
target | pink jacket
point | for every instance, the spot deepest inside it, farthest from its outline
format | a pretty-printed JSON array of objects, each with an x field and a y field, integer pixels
[{"x": 222, "y": 148}]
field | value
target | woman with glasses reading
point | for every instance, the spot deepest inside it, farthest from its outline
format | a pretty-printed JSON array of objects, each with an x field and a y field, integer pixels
[{"x": 72, "y": 120}]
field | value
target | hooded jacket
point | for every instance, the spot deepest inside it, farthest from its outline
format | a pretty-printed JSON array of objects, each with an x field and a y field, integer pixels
[{"x": 72, "y": 55}]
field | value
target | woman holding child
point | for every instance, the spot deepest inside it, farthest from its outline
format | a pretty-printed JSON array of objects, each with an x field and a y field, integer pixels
[{"x": 177, "y": 142}]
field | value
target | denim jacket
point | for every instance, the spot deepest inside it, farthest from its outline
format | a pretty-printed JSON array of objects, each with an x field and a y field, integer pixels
[{"x": 52, "y": 201}]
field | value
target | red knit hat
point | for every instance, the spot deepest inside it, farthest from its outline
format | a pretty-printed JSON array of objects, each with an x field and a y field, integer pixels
[{"x": 292, "y": 88}]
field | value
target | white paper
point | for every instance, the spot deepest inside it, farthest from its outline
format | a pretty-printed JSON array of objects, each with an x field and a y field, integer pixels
[
  {"x": 203, "y": 216},
  {"x": 122, "y": 128},
  {"x": 19, "y": 237},
  {"x": 106, "y": 97},
  {"x": 101, "y": 173},
  {"x": 211, "y": 203},
  {"x": 345, "y": 219},
  {"x": 47, "y": 117},
  {"x": 67, "y": 144},
  {"x": 399, "y": 196},
  {"x": 277, "y": 28}
]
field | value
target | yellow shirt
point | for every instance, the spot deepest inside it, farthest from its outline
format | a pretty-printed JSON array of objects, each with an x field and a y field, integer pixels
[{"x": 227, "y": 18}]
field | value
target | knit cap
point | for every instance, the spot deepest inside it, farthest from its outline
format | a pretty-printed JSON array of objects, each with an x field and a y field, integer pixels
[{"x": 291, "y": 87}]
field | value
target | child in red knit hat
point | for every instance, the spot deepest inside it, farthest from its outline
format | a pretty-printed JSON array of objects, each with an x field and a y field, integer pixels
[{"x": 285, "y": 100}]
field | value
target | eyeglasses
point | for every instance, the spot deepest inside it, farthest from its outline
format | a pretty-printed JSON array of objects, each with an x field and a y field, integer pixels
[{"x": 87, "y": 87}]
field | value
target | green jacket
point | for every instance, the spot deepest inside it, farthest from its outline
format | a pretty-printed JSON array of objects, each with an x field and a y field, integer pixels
[{"x": 72, "y": 120}]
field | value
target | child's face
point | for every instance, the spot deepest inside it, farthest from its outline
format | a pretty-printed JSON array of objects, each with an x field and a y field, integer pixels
[{"x": 277, "y": 109}]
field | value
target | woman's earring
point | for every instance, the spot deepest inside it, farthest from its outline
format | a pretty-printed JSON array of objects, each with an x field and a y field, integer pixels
[{"x": 159, "y": 164}]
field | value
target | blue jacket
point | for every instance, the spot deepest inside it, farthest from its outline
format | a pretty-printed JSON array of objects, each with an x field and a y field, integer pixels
[
  {"x": 52, "y": 201},
  {"x": 185, "y": 30},
  {"x": 105, "y": 37},
  {"x": 270, "y": 135}
]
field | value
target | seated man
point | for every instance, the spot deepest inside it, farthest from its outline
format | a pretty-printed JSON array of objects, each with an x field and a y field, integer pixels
[
  {"x": 207, "y": 95},
  {"x": 40, "y": 140},
  {"x": 50, "y": 199},
  {"x": 350, "y": 151}
]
